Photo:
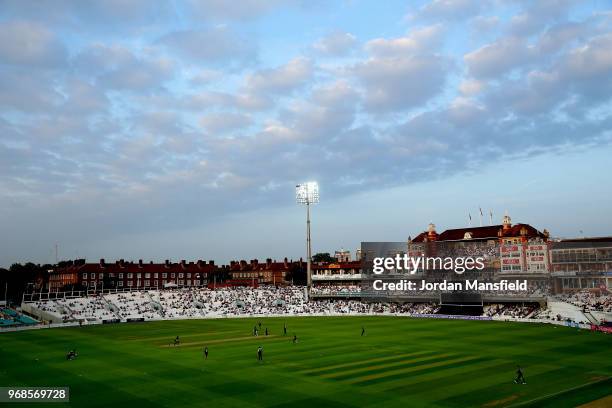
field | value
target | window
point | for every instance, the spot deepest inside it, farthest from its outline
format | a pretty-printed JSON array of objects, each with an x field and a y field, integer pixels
[
  {"x": 85, "y": 275},
  {"x": 164, "y": 275},
  {"x": 130, "y": 283},
  {"x": 120, "y": 284},
  {"x": 188, "y": 282},
  {"x": 121, "y": 276},
  {"x": 181, "y": 282},
  {"x": 180, "y": 275},
  {"x": 172, "y": 275},
  {"x": 147, "y": 275},
  {"x": 147, "y": 282},
  {"x": 101, "y": 276},
  {"x": 129, "y": 275},
  {"x": 155, "y": 275}
]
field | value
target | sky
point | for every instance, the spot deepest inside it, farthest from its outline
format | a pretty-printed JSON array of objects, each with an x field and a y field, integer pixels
[{"x": 178, "y": 129}]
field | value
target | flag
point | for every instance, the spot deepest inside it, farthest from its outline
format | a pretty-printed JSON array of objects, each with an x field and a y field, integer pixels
[
  {"x": 470, "y": 215},
  {"x": 480, "y": 211}
]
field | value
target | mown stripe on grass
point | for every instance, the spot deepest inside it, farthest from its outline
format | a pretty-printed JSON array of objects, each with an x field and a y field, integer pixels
[
  {"x": 201, "y": 343},
  {"x": 430, "y": 378},
  {"x": 379, "y": 368},
  {"x": 472, "y": 392},
  {"x": 435, "y": 373},
  {"x": 322, "y": 370},
  {"x": 554, "y": 399},
  {"x": 411, "y": 369}
]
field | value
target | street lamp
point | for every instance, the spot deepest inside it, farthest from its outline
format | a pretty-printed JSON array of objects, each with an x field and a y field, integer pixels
[{"x": 307, "y": 193}]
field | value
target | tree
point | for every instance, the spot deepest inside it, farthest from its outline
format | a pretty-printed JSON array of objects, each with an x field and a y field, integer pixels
[
  {"x": 19, "y": 278},
  {"x": 323, "y": 257}
]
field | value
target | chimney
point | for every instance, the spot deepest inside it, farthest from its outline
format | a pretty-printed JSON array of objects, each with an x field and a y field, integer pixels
[
  {"x": 211, "y": 262},
  {"x": 167, "y": 263},
  {"x": 269, "y": 262},
  {"x": 102, "y": 263},
  {"x": 140, "y": 263},
  {"x": 200, "y": 263},
  {"x": 121, "y": 262}
]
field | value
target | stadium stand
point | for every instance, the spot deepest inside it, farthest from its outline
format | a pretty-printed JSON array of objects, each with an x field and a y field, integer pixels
[
  {"x": 12, "y": 318},
  {"x": 184, "y": 303}
]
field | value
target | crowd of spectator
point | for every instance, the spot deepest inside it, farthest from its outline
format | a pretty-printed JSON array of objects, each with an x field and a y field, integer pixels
[
  {"x": 334, "y": 289},
  {"x": 85, "y": 308},
  {"x": 516, "y": 310},
  {"x": 133, "y": 305},
  {"x": 272, "y": 300},
  {"x": 588, "y": 300}
]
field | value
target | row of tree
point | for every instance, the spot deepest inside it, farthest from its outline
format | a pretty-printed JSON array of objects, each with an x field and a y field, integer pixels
[{"x": 20, "y": 278}]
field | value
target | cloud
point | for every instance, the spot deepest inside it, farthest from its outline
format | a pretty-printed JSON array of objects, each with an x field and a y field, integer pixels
[
  {"x": 537, "y": 15},
  {"x": 484, "y": 24},
  {"x": 118, "y": 67},
  {"x": 215, "y": 99},
  {"x": 448, "y": 9},
  {"x": 561, "y": 35},
  {"x": 30, "y": 44},
  {"x": 471, "y": 87},
  {"x": 282, "y": 79},
  {"x": 95, "y": 16},
  {"x": 27, "y": 93},
  {"x": 222, "y": 122},
  {"x": 419, "y": 41},
  {"x": 248, "y": 9},
  {"x": 335, "y": 44},
  {"x": 175, "y": 123},
  {"x": 591, "y": 60},
  {"x": 393, "y": 84},
  {"x": 210, "y": 46},
  {"x": 498, "y": 58},
  {"x": 403, "y": 72}
]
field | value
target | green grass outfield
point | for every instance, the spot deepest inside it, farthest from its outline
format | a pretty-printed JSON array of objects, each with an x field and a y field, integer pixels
[{"x": 400, "y": 362}]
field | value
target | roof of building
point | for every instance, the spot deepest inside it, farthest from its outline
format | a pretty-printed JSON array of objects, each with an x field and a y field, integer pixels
[
  {"x": 577, "y": 243},
  {"x": 482, "y": 233},
  {"x": 121, "y": 266}
]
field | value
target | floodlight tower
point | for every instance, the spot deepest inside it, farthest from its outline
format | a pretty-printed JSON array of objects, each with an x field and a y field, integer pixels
[{"x": 307, "y": 193}]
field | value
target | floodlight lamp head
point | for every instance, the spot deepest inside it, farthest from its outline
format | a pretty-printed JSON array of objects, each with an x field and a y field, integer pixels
[{"x": 307, "y": 193}]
